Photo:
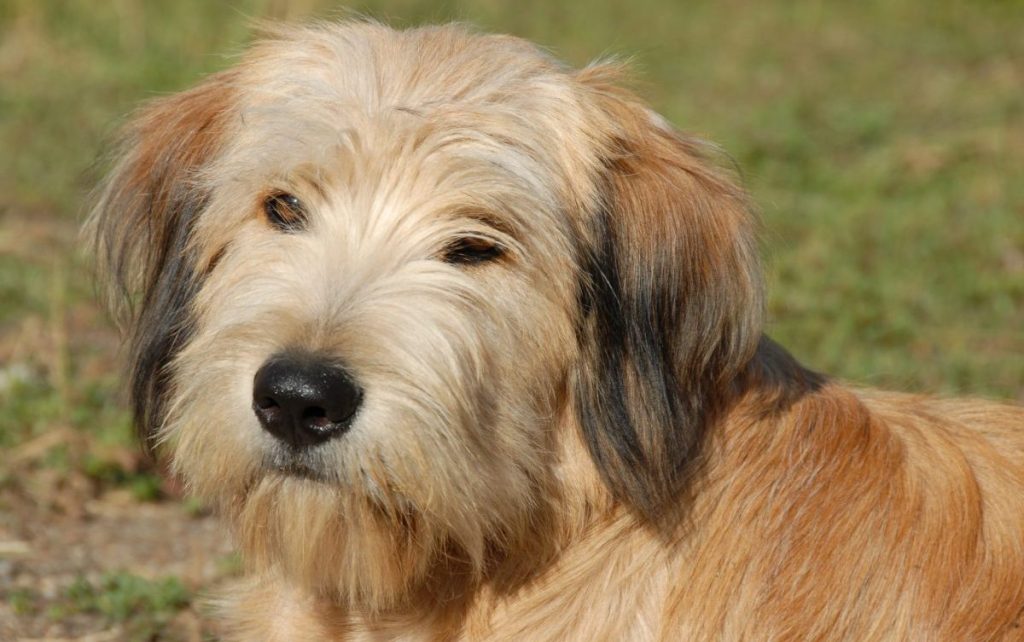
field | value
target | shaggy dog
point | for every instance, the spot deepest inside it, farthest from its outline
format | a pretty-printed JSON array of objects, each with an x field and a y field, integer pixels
[{"x": 465, "y": 344}]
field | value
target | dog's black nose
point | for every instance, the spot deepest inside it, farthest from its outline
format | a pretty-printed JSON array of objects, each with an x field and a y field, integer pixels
[{"x": 304, "y": 400}]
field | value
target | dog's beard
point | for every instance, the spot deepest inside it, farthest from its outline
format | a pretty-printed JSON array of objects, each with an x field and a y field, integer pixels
[
  {"x": 333, "y": 519},
  {"x": 365, "y": 520},
  {"x": 343, "y": 543}
]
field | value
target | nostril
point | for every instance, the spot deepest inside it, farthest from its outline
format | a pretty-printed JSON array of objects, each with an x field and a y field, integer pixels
[
  {"x": 316, "y": 418},
  {"x": 266, "y": 403}
]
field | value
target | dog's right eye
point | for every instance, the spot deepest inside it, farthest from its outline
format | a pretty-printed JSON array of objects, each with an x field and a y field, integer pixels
[
  {"x": 472, "y": 250},
  {"x": 285, "y": 212}
]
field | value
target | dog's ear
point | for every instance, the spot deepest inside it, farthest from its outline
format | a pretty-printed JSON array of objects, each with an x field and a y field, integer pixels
[
  {"x": 671, "y": 300},
  {"x": 140, "y": 228}
]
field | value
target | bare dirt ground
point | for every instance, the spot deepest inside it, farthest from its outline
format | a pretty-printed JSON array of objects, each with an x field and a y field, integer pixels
[{"x": 48, "y": 548}]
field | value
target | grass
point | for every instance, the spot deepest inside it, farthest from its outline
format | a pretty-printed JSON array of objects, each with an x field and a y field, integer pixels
[
  {"x": 143, "y": 606},
  {"x": 884, "y": 141},
  {"x": 117, "y": 596},
  {"x": 139, "y": 607}
]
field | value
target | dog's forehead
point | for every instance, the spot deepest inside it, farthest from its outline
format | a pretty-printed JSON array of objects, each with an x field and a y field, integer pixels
[
  {"x": 376, "y": 67},
  {"x": 313, "y": 85}
]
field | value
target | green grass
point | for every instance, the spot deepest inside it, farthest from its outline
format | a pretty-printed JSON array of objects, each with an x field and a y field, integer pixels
[
  {"x": 141, "y": 607},
  {"x": 145, "y": 606}
]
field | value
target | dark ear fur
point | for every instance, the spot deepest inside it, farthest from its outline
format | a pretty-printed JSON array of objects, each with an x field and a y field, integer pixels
[
  {"x": 671, "y": 303},
  {"x": 141, "y": 227}
]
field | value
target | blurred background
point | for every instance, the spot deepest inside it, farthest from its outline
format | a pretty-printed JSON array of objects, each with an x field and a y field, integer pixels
[{"x": 883, "y": 140}]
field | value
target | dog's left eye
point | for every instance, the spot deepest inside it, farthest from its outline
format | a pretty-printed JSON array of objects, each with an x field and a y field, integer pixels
[
  {"x": 470, "y": 250},
  {"x": 284, "y": 211}
]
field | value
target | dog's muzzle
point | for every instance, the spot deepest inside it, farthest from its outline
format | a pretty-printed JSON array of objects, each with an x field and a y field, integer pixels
[{"x": 304, "y": 399}]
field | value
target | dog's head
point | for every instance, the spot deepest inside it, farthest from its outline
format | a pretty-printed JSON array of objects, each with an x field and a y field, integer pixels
[{"x": 371, "y": 278}]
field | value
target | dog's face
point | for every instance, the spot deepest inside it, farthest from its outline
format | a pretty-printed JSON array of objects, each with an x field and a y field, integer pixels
[{"x": 376, "y": 271}]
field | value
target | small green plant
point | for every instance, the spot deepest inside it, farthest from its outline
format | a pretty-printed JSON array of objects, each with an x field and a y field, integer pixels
[
  {"x": 23, "y": 601},
  {"x": 145, "y": 606}
]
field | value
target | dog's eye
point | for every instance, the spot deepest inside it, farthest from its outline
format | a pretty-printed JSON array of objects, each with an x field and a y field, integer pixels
[
  {"x": 284, "y": 211},
  {"x": 471, "y": 250}
]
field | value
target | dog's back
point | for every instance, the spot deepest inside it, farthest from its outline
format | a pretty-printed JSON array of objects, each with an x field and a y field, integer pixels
[{"x": 863, "y": 515}]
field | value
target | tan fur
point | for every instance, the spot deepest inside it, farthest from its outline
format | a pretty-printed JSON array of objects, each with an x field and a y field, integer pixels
[{"x": 586, "y": 439}]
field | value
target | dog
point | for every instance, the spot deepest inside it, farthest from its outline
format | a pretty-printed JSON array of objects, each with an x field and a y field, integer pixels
[{"x": 465, "y": 344}]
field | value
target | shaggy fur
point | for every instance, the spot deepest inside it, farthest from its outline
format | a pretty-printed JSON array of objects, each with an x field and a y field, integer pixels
[{"x": 586, "y": 437}]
